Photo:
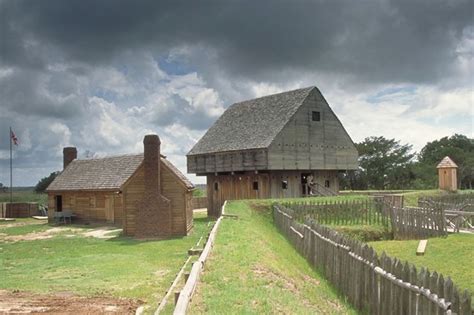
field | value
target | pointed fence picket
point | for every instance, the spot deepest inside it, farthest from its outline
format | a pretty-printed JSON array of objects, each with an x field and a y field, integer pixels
[{"x": 373, "y": 284}]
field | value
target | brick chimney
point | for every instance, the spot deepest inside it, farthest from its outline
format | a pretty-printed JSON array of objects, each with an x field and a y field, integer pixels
[
  {"x": 154, "y": 215},
  {"x": 151, "y": 160},
  {"x": 69, "y": 154}
]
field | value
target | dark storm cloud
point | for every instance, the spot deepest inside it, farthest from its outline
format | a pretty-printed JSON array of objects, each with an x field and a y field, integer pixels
[
  {"x": 178, "y": 110},
  {"x": 372, "y": 40}
]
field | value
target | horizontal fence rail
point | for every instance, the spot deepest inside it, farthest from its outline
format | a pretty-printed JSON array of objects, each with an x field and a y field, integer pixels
[{"x": 373, "y": 284}]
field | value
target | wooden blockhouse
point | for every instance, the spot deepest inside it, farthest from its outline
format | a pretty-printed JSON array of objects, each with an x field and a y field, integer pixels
[
  {"x": 289, "y": 144},
  {"x": 447, "y": 174},
  {"x": 144, "y": 194}
]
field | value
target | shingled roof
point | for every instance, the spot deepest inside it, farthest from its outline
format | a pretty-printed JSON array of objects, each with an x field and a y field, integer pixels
[
  {"x": 251, "y": 124},
  {"x": 446, "y": 162},
  {"x": 108, "y": 173}
]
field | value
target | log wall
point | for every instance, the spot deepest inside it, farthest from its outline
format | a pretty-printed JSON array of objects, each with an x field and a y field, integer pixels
[
  {"x": 270, "y": 185},
  {"x": 89, "y": 206}
]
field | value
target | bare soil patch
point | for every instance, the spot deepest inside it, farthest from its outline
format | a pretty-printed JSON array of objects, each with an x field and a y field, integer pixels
[
  {"x": 103, "y": 232},
  {"x": 63, "y": 303},
  {"x": 38, "y": 235},
  {"x": 259, "y": 207},
  {"x": 100, "y": 232}
]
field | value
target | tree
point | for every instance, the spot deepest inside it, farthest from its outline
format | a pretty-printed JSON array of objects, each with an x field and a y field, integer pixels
[
  {"x": 384, "y": 164},
  {"x": 3, "y": 188},
  {"x": 44, "y": 182},
  {"x": 459, "y": 148}
]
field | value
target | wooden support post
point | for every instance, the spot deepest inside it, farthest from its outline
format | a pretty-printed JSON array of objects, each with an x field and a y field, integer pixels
[
  {"x": 176, "y": 296},
  {"x": 421, "y": 247},
  {"x": 186, "y": 276}
]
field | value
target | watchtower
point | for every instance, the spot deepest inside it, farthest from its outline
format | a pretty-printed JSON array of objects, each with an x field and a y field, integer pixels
[{"x": 447, "y": 173}]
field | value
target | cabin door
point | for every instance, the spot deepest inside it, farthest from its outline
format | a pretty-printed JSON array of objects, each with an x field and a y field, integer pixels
[
  {"x": 109, "y": 209},
  {"x": 58, "y": 203}
]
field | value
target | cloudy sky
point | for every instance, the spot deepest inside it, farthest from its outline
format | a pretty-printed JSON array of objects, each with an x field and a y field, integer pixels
[{"x": 100, "y": 75}]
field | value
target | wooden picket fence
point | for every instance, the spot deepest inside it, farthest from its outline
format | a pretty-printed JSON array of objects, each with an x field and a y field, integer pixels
[
  {"x": 405, "y": 223},
  {"x": 18, "y": 209},
  {"x": 418, "y": 223},
  {"x": 199, "y": 202},
  {"x": 371, "y": 283},
  {"x": 362, "y": 212}
]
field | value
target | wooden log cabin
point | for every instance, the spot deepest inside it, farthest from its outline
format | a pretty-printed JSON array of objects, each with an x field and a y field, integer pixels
[
  {"x": 289, "y": 144},
  {"x": 144, "y": 194}
]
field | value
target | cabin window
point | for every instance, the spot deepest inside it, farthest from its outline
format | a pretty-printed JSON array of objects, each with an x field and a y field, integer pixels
[
  {"x": 326, "y": 183},
  {"x": 316, "y": 116},
  {"x": 284, "y": 184},
  {"x": 59, "y": 203},
  {"x": 216, "y": 186},
  {"x": 255, "y": 185}
]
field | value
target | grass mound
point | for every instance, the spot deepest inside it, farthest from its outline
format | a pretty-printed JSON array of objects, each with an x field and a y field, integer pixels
[
  {"x": 365, "y": 233},
  {"x": 253, "y": 269}
]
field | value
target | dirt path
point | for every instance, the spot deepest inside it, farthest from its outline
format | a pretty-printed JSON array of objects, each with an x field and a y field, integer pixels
[
  {"x": 65, "y": 303},
  {"x": 106, "y": 232}
]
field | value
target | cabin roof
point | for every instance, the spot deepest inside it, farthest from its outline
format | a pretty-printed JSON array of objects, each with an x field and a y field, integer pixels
[
  {"x": 251, "y": 124},
  {"x": 446, "y": 162},
  {"x": 108, "y": 173}
]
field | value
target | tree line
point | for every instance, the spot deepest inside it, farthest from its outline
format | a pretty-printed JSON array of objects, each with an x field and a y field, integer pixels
[{"x": 388, "y": 164}]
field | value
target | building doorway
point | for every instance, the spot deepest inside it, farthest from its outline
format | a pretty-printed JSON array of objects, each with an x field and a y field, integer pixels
[
  {"x": 58, "y": 200},
  {"x": 306, "y": 179}
]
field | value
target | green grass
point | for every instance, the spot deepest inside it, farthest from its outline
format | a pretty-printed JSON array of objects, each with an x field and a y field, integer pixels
[
  {"x": 121, "y": 266},
  {"x": 198, "y": 192},
  {"x": 24, "y": 196},
  {"x": 411, "y": 198},
  {"x": 452, "y": 256},
  {"x": 253, "y": 269},
  {"x": 364, "y": 233}
]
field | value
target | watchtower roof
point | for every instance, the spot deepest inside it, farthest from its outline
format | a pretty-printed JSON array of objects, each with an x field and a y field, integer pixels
[{"x": 446, "y": 162}]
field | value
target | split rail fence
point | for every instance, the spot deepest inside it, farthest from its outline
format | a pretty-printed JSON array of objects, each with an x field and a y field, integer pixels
[{"x": 373, "y": 284}]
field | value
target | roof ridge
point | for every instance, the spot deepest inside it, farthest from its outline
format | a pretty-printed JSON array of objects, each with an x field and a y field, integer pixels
[
  {"x": 108, "y": 157},
  {"x": 275, "y": 94}
]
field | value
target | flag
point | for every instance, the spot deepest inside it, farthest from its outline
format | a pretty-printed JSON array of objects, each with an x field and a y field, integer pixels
[{"x": 14, "y": 139}]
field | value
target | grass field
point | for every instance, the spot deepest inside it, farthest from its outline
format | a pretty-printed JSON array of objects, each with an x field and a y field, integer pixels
[
  {"x": 88, "y": 266},
  {"x": 452, "y": 256},
  {"x": 253, "y": 269}
]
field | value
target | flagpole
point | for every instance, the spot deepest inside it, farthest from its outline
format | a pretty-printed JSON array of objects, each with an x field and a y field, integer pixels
[{"x": 11, "y": 167}]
